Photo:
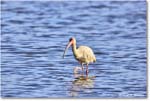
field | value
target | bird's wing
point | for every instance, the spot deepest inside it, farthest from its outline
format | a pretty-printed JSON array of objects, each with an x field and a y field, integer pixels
[{"x": 86, "y": 53}]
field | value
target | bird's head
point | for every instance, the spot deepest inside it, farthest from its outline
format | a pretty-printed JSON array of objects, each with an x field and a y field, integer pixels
[{"x": 71, "y": 42}]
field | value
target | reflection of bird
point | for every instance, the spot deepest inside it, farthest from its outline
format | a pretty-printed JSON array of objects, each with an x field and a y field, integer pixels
[
  {"x": 82, "y": 84},
  {"x": 83, "y": 54}
]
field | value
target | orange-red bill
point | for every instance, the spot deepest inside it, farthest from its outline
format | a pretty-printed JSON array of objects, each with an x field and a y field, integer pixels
[{"x": 68, "y": 45}]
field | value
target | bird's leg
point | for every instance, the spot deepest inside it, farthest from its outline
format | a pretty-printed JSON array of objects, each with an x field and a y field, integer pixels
[
  {"x": 87, "y": 69},
  {"x": 82, "y": 68}
]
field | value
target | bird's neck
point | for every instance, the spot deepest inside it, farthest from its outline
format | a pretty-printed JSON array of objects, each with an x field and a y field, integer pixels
[{"x": 74, "y": 49}]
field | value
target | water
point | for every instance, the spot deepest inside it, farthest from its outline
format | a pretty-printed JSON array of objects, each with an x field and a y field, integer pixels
[{"x": 35, "y": 33}]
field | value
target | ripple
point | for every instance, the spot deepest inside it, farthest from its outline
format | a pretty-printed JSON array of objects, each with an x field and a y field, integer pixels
[{"x": 34, "y": 35}]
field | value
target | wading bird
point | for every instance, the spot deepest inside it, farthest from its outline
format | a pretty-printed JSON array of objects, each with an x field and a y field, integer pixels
[{"x": 83, "y": 54}]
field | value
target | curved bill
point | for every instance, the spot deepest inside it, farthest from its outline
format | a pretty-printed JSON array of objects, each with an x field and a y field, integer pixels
[{"x": 68, "y": 45}]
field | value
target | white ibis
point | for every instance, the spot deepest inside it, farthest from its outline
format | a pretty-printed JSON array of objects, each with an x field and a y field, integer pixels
[{"x": 83, "y": 54}]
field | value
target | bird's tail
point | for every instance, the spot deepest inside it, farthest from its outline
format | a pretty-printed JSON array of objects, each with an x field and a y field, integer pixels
[{"x": 94, "y": 59}]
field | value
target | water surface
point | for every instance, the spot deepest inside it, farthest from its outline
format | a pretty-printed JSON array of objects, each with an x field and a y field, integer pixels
[{"x": 34, "y": 35}]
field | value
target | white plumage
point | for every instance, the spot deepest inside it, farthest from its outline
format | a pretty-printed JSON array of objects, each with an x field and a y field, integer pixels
[{"x": 83, "y": 54}]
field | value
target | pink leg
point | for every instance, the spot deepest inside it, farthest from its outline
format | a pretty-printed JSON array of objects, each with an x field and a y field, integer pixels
[{"x": 87, "y": 69}]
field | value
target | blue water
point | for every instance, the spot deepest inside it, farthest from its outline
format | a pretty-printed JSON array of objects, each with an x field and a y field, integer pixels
[{"x": 34, "y": 35}]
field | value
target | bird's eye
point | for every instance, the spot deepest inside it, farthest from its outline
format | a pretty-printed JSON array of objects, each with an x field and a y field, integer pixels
[{"x": 70, "y": 39}]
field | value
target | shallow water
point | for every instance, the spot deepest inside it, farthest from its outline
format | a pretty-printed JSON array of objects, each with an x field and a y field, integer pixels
[{"x": 34, "y": 36}]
